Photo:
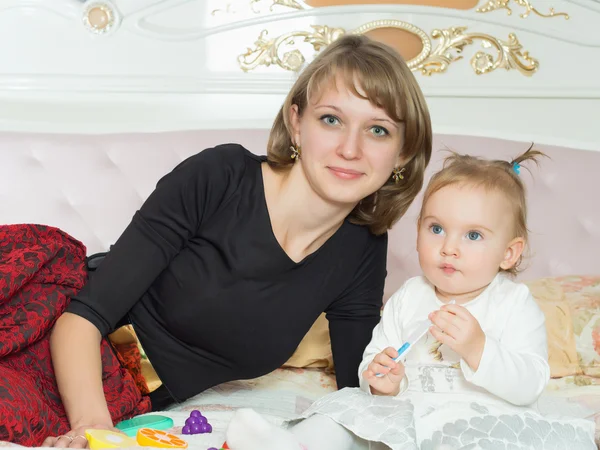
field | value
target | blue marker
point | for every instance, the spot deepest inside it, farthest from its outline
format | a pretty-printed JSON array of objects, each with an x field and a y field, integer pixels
[
  {"x": 415, "y": 336},
  {"x": 420, "y": 331},
  {"x": 403, "y": 348}
]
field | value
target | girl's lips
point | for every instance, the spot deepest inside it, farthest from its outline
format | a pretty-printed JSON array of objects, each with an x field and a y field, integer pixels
[{"x": 448, "y": 269}]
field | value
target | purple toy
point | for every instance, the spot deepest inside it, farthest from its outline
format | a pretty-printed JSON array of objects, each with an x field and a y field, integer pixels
[{"x": 196, "y": 424}]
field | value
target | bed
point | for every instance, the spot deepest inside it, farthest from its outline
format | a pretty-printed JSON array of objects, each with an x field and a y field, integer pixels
[{"x": 98, "y": 99}]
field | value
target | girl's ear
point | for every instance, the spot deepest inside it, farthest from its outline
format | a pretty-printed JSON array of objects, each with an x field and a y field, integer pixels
[{"x": 513, "y": 252}]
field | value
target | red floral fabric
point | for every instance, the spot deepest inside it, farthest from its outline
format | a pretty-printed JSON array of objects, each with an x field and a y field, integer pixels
[
  {"x": 130, "y": 357},
  {"x": 40, "y": 268}
]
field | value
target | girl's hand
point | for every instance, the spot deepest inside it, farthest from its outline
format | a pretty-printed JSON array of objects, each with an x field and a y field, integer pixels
[
  {"x": 456, "y": 327},
  {"x": 393, "y": 373}
]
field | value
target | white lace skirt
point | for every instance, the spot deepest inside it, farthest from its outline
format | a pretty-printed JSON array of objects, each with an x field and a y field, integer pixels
[{"x": 457, "y": 421}]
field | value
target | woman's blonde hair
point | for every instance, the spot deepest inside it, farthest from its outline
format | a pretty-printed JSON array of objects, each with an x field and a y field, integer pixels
[
  {"x": 386, "y": 81},
  {"x": 492, "y": 175}
]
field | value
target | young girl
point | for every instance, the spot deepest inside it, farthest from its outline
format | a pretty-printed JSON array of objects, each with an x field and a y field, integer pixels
[{"x": 467, "y": 383}]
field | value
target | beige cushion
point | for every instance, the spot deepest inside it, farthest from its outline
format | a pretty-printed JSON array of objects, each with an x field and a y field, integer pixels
[
  {"x": 315, "y": 349},
  {"x": 583, "y": 296},
  {"x": 562, "y": 351}
]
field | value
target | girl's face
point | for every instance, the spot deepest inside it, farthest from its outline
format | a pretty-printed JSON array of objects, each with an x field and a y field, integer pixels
[
  {"x": 465, "y": 236},
  {"x": 349, "y": 146}
]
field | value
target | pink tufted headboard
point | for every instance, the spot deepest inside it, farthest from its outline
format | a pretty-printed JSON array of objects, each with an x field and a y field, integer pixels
[{"x": 90, "y": 186}]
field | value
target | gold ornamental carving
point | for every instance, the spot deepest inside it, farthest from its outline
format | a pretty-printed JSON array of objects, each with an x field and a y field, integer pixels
[
  {"x": 494, "y": 5},
  {"x": 508, "y": 55},
  {"x": 269, "y": 51}
]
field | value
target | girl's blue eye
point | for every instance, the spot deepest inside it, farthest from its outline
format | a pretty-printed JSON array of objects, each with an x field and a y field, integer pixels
[
  {"x": 474, "y": 235},
  {"x": 436, "y": 229},
  {"x": 379, "y": 131}
]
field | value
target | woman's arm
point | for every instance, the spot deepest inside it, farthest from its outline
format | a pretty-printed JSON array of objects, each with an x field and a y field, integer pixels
[
  {"x": 75, "y": 349},
  {"x": 354, "y": 315},
  {"x": 169, "y": 217}
]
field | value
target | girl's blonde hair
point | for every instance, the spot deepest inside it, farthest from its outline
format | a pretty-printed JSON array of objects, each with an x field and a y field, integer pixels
[
  {"x": 384, "y": 79},
  {"x": 492, "y": 175}
]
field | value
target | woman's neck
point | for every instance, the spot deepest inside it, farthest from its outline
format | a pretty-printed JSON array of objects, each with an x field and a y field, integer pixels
[{"x": 302, "y": 221}]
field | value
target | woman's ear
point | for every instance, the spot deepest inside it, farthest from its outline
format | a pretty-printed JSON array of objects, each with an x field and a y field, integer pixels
[
  {"x": 401, "y": 161},
  {"x": 295, "y": 123},
  {"x": 513, "y": 252}
]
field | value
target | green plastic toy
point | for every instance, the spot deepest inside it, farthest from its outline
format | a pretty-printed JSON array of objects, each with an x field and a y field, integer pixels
[{"x": 156, "y": 422}]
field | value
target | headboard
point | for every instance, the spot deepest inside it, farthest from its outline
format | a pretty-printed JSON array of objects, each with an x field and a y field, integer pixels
[
  {"x": 99, "y": 98},
  {"x": 524, "y": 70}
]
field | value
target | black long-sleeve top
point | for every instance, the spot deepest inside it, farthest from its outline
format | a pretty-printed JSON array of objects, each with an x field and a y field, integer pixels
[{"x": 210, "y": 292}]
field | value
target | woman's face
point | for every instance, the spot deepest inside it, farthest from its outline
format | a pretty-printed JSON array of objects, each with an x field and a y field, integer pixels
[{"x": 349, "y": 146}]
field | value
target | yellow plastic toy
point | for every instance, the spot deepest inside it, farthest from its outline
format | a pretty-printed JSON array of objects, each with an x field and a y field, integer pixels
[
  {"x": 148, "y": 437},
  {"x": 108, "y": 439}
]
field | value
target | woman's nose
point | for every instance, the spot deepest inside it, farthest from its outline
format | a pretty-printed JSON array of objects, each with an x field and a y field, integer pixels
[{"x": 351, "y": 146}]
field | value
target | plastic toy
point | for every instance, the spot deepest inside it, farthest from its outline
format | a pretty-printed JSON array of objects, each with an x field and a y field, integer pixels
[
  {"x": 147, "y": 437},
  {"x": 130, "y": 427},
  {"x": 421, "y": 330},
  {"x": 196, "y": 424},
  {"x": 98, "y": 439}
]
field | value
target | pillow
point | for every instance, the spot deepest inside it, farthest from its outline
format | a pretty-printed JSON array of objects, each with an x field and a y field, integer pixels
[
  {"x": 583, "y": 296},
  {"x": 571, "y": 305},
  {"x": 314, "y": 350},
  {"x": 562, "y": 351}
]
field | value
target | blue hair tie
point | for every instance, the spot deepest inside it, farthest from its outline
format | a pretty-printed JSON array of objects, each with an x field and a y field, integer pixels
[{"x": 517, "y": 168}]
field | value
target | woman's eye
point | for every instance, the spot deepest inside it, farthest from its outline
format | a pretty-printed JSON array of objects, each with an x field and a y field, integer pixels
[
  {"x": 379, "y": 131},
  {"x": 436, "y": 229},
  {"x": 330, "y": 120},
  {"x": 474, "y": 235}
]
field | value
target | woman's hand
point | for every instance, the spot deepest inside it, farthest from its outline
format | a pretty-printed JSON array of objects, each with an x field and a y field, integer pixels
[
  {"x": 393, "y": 373},
  {"x": 456, "y": 327},
  {"x": 76, "y": 437}
]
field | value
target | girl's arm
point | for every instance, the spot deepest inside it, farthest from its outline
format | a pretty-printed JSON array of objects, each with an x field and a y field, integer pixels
[{"x": 515, "y": 367}]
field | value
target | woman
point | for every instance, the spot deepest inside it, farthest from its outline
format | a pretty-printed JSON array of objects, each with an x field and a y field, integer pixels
[{"x": 233, "y": 257}]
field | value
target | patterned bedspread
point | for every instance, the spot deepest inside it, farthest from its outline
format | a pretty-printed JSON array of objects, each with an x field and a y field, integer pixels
[{"x": 287, "y": 393}]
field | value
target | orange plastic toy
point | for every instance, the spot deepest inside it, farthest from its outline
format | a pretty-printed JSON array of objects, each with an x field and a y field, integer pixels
[{"x": 148, "y": 437}]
